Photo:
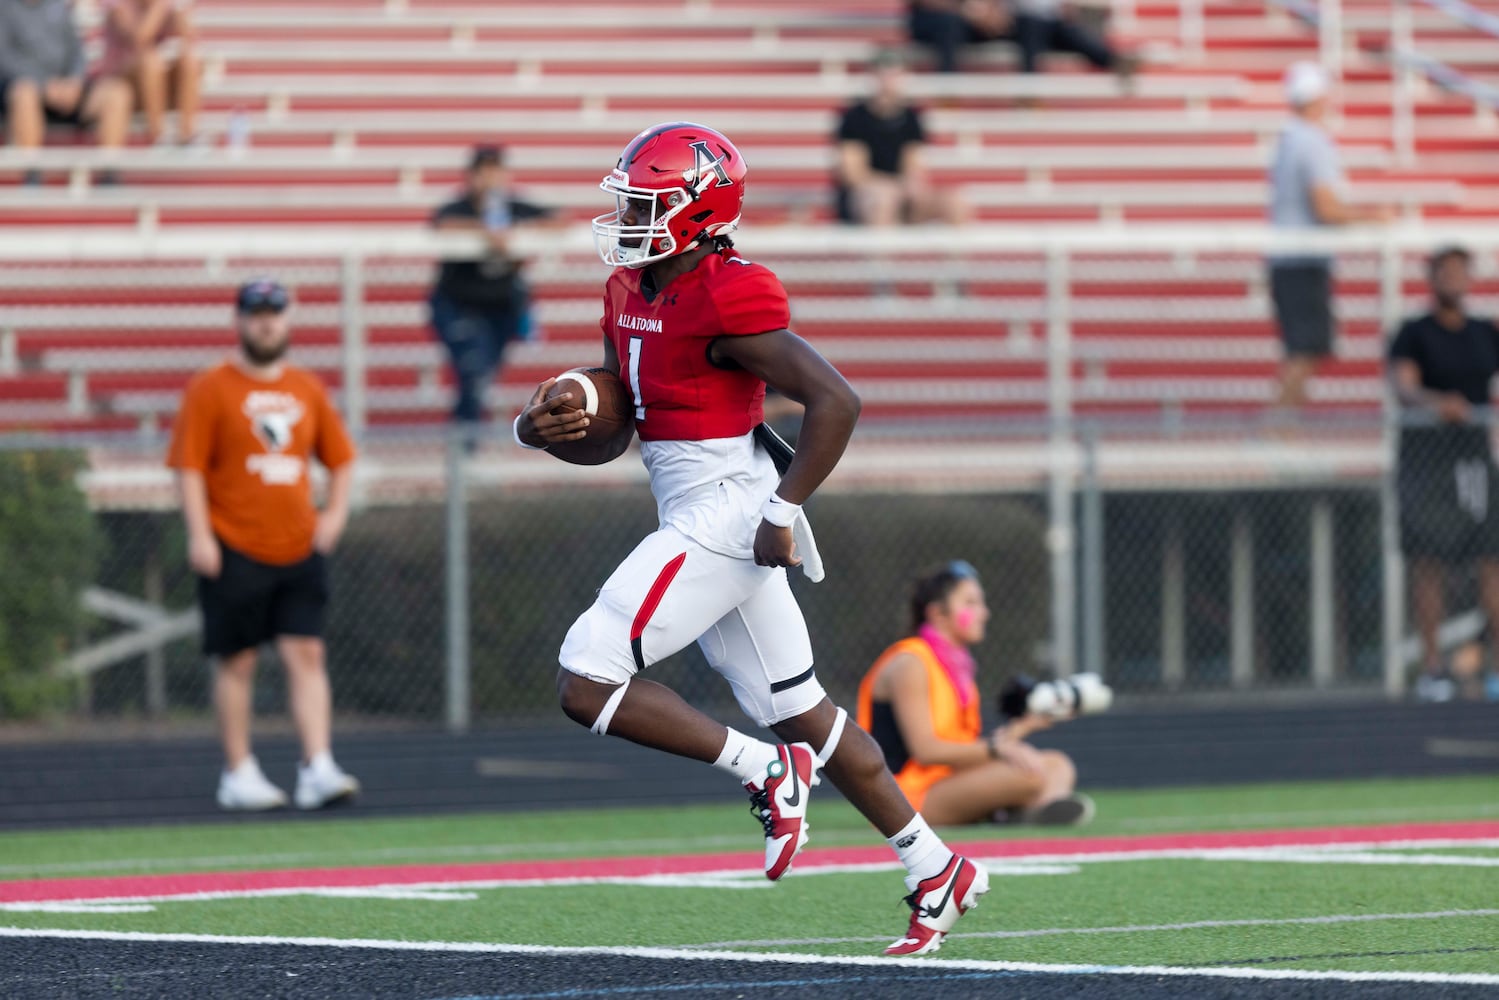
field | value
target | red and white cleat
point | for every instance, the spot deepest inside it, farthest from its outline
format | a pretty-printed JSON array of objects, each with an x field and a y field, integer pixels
[
  {"x": 937, "y": 903},
  {"x": 778, "y": 798}
]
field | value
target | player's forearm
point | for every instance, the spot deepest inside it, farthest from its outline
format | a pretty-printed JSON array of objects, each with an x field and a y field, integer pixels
[
  {"x": 826, "y": 429},
  {"x": 194, "y": 495}
]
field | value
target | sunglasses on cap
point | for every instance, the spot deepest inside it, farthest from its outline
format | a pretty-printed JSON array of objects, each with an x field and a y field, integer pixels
[{"x": 262, "y": 296}]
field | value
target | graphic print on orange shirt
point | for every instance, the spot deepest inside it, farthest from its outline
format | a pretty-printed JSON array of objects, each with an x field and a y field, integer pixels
[{"x": 252, "y": 442}]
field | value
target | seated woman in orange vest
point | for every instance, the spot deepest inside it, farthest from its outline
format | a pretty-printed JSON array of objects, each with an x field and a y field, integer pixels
[{"x": 920, "y": 703}]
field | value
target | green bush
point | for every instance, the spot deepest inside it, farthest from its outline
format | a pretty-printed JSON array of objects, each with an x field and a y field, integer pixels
[{"x": 47, "y": 553}]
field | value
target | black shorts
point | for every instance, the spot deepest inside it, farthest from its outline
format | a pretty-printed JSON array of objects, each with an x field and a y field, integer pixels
[
  {"x": 55, "y": 116},
  {"x": 251, "y": 602},
  {"x": 1302, "y": 294},
  {"x": 1449, "y": 496}
]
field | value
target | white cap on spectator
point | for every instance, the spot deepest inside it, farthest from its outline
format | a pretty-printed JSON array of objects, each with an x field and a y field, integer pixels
[{"x": 1305, "y": 83}]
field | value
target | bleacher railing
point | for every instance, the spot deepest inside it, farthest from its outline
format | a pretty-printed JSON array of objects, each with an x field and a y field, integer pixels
[{"x": 1167, "y": 550}]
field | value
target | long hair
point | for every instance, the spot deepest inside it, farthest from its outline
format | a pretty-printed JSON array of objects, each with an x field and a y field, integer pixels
[{"x": 936, "y": 586}]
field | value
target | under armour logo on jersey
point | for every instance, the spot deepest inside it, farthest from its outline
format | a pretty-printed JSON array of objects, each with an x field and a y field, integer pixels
[
  {"x": 703, "y": 159},
  {"x": 671, "y": 299}
]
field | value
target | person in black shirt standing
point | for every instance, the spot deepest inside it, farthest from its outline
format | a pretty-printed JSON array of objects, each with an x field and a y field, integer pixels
[
  {"x": 1442, "y": 365},
  {"x": 480, "y": 306},
  {"x": 881, "y": 177}
]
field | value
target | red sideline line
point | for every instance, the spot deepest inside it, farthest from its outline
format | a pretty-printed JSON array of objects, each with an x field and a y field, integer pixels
[{"x": 48, "y": 890}]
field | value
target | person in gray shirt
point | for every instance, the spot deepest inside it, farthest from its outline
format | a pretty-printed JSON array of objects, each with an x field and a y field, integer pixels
[
  {"x": 43, "y": 78},
  {"x": 1306, "y": 182}
]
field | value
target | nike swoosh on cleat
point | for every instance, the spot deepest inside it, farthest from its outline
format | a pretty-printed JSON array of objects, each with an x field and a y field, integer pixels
[
  {"x": 952, "y": 884},
  {"x": 795, "y": 798}
]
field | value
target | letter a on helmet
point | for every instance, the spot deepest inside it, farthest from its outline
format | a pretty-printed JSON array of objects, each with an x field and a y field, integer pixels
[{"x": 675, "y": 185}]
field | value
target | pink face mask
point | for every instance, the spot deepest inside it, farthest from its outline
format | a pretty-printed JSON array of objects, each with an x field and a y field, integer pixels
[{"x": 964, "y": 618}]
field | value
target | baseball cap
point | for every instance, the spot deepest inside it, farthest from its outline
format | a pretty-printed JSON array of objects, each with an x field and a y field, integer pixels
[
  {"x": 262, "y": 294},
  {"x": 486, "y": 156},
  {"x": 1305, "y": 83}
]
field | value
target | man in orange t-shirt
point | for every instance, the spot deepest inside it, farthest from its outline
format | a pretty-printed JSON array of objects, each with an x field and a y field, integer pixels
[{"x": 241, "y": 445}]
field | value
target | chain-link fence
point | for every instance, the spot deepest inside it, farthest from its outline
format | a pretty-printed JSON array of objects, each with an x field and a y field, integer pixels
[{"x": 1087, "y": 426}]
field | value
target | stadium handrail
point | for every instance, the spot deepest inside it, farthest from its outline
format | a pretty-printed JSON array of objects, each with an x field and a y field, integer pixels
[{"x": 33, "y": 243}]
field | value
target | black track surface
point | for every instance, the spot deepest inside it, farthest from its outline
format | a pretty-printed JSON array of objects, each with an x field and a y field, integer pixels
[
  {"x": 37, "y": 969},
  {"x": 559, "y": 766}
]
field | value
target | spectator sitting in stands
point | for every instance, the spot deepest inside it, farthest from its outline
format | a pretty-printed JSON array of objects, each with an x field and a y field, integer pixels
[
  {"x": 881, "y": 178},
  {"x": 42, "y": 75},
  {"x": 149, "y": 44},
  {"x": 1042, "y": 26},
  {"x": 950, "y": 25}
]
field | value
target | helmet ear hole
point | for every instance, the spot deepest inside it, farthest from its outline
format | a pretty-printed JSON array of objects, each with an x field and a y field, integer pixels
[{"x": 701, "y": 216}]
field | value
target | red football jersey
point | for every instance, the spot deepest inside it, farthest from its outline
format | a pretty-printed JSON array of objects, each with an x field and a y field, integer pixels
[{"x": 663, "y": 346}]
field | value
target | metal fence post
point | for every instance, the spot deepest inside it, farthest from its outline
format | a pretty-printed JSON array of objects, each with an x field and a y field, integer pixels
[
  {"x": 1173, "y": 608},
  {"x": 1191, "y": 28},
  {"x": 1330, "y": 39},
  {"x": 1402, "y": 89},
  {"x": 1092, "y": 556},
  {"x": 1060, "y": 534},
  {"x": 1392, "y": 304},
  {"x": 356, "y": 404},
  {"x": 1241, "y": 600},
  {"x": 1322, "y": 593},
  {"x": 458, "y": 690}
]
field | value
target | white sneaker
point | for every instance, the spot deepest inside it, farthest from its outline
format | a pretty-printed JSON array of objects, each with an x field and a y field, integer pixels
[
  {"x": 323, "y": 782},
  {"x": 246, "y": 789}
]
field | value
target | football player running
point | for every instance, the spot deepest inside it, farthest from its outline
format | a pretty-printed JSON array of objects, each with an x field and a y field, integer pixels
[{"x": 696, "y": 333}]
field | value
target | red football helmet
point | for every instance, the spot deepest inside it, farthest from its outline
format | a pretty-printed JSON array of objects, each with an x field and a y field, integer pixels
[{"x": 675, "y": 184}]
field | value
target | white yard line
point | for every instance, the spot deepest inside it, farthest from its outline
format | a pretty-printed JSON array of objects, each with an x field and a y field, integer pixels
[
  {"x": 1193, "y": 925},
  {"x": 781, "y": 958}
]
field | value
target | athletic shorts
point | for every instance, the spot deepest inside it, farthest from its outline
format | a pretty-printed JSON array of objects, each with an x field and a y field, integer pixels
[
  {"x": 251, "y": 602},
  {"x": 1302, "y": 294},
  {"x": 54, "y": 116},
  {"x": 1449, "y": 496},
  {"x": 671, "y": 591}
]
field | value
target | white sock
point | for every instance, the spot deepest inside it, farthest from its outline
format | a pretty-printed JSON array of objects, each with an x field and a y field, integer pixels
[
  {"x": 322, "y": 759},
  {"x": 920, "y": 850},
  {"x": 744, "y": 757}
]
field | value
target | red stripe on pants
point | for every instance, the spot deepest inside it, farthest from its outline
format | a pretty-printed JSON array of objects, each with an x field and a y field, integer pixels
[{"x": 653, "y": 597}]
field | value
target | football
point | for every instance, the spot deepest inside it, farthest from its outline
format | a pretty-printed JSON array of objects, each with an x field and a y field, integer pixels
[{"x": 611, "y": 415}]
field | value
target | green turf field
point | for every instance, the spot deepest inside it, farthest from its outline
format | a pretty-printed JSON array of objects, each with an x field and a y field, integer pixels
[{"x": 1430, "y": 906}]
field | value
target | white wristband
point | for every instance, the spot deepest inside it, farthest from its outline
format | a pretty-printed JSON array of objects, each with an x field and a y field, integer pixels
[
  {"x": 515, "y": 433},
  {"x": 780, "y": 513}
]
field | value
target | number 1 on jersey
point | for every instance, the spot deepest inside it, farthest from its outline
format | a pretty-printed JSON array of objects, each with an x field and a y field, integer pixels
[{"x": 634, "y": 361}]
